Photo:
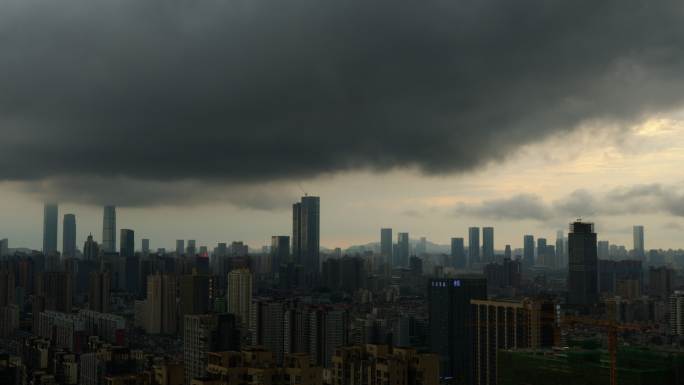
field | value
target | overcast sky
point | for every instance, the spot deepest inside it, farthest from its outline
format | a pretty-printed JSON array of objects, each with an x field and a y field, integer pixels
[{"x": 206, "y": 120}]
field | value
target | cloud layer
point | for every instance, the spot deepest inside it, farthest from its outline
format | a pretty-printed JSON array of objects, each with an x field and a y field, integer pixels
[
  {"x": 254, "y": 91},
  {"x": 637, "y": 199}
]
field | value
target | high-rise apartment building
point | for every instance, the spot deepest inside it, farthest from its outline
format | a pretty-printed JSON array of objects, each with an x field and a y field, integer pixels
[
  {"x": 306, "y": 233},
  {"x": 180, "y": 247},
  {"x": 280, "y": 251},
  {"x": 109, "y": 229},
  {"x": 473, "y": 245},
  {"x": 50, "y": 228},
  {"x": 582, "y": 265},
  {"x": 99, "y": 291},
  {"x": 57, "y": 290},
  {"x": 458, "y": 257},
  {"x": 69, "y": 236},
  {"x": 561, "y": 249},
  {"x": 528, "y": 250},
  {"x": 638, "y": 236},
  {"x": 487, "y": 244},
  {"x": 160, "y": 305},
  {"x": 194, "y": 295},
  {"x": 386, "y": 246},
  {"x": 239, "y": 294},
  {"x": 451, "y": 318},
  {"x": 401, "y": 256},
  {"x": 508, "y": 325},
  {"x": 677, "y": 313},
  {"x": 204, "y": 333}
]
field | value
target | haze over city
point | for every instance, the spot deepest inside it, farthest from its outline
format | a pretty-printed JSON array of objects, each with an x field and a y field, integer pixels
[{"x": 341, "y": 192}]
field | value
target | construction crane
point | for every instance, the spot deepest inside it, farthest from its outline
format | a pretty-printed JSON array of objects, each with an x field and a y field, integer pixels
[{"x": 612, "y": 328}]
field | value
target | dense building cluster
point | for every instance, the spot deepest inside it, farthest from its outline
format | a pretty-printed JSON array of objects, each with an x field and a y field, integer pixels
[{"x": 398, "y": 311}]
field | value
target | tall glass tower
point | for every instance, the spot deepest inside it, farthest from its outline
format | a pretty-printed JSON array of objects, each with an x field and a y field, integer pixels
[
  {"x": 50, "y": 228},
  {"x": 109, "y": 229}
]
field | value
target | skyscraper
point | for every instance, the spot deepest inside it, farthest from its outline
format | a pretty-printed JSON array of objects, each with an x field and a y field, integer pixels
[
  {"x": 452, "y": 323},
  {"x": 194, "y": 295},
  {"x": 488, "y": 244},
  {"x": 145, "y": 246},
  {"x": 638, "y": 234},
  {"x": 528, "y": 250},
  {"x": 306, "y": 233},
  {"x": 127, "y": 246},
  {"x": 582, "y": 265},
  {"x": 458, "y": 258},
  {"x": 386, "y": 245},
  {"x": 541, "y": 251},
  {"x": 192, "y": 247},
  {"x": 401, "y": 257},
  {"x": 677, "y": 313},
  {"x": 280, "y": 251},
  {"x": 474, "y": 245},
  {"x": 91, "y": 249},
  {"x": 560, "y": 249},
  {"x": 239, "y": 294},
  {"x": 180, "y": 247},
  {"x": 4, "y": 247},
  {"x": 69, "y": 235},
  {"x": 50, "y": 228},
  {"x": 109, "y": 229}
]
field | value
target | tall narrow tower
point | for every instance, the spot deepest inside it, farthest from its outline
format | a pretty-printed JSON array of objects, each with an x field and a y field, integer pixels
[
  {"x": 50, "y": 228},
  {"x": 109, "y": 229},
  {"x": 582, "y": 264}
]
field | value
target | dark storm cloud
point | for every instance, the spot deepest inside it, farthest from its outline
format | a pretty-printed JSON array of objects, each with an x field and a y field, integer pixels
[
  {"x": 252, "y": 91},
  {"x": 637, "y": 199}
]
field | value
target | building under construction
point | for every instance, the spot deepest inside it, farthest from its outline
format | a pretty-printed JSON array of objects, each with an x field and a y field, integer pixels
[{"x": 589, "y": 365}]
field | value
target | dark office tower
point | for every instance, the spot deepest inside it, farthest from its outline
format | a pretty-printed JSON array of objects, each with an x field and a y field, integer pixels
[
  {"x": 91, "y": 249},
  {"x": 306, "y": 233},
  {"x": 180, "y": 247},
  {"x": 69, "y": 235},
  {"x": 638, "y": 236},
  {"x": 528, "y": 251},
  {"x": 508, "y": 253},
  {"x": 145, "y": 246},
  {"x": 280, "y": 251},
  {"x": 582, "y": 265},
  {"x": 401, "y": 256},
  {"x": 194, "y": 295},
  {"x": 386, "y": 245},
  {"x": 541, "y": 251},
  {"x": 452, "y": 324},
  {"x": 488, "y": 244},
  {"x": 98, "y": 292},
  {"x": 127, "y": 246},
  {"x": 474, "y": 245},
  {"x": 109, "y": 229},
  {"x": 50, "y": 228},
  {"x": 458, "y": 258},
  {"x": 192, "y": 248}
]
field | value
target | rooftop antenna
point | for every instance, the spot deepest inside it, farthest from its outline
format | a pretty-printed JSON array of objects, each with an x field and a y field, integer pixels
[{"x": 302, "y": 188}]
